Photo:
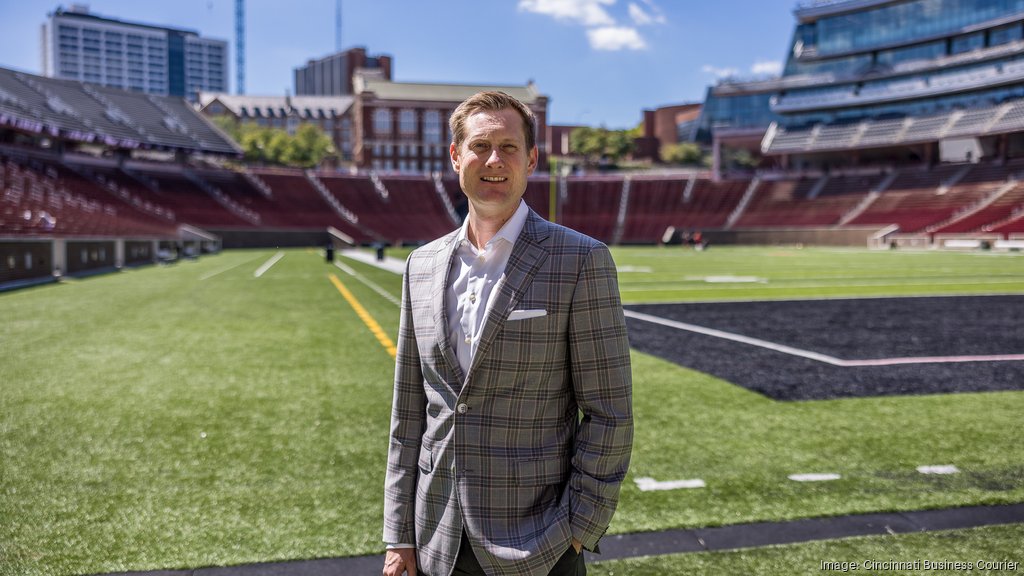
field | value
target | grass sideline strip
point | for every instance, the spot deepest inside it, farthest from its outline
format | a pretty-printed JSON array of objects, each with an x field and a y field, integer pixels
[{"x": 654, "y": 547}]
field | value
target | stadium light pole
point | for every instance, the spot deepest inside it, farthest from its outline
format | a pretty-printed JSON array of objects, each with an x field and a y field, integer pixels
[{"x": 552, "y": 188}]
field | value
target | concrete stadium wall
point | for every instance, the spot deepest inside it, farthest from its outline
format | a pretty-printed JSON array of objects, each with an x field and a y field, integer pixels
[
  {"x": 271, "y": 238},
  {"x": 25, "y": 260},
  {"x": 89, "y": 255},
  {"x": 138, "y": 252},
  {"x": 850, "y": 236}
]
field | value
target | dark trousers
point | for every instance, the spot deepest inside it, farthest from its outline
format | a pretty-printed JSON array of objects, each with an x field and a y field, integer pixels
[{"x": 466, "y": 564}]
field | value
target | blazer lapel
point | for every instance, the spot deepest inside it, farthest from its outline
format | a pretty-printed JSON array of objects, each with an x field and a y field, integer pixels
[
  {"x": 439, "y": 280},
  {"x": 527, "y": 257}
]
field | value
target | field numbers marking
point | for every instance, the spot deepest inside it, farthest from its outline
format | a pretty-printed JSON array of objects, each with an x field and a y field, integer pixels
[
  {"x": 650, "y": 484},
  {"x": 365, "y": 316},
  {"x": 266, "y": 265},
  {"x": 825, "y": 358},
  {"x": 941, "y": 469},
  {"x": 814, "y": 477}
]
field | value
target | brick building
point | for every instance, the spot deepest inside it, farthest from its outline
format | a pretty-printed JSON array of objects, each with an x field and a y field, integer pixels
[{"x": 403, "y": 126}]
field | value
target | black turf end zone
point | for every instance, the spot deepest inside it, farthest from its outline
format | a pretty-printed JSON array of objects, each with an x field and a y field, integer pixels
[{"x": 855, "y": 329}]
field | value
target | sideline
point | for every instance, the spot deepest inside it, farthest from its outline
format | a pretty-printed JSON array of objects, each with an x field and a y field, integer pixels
[
  {"x": 733, "y": 537},
  {"x": 372, "y": 324},
  {"x": 393, "y": 265},
  {"x": 825, "y": 358},
  {"x": 369, "y": 284}
]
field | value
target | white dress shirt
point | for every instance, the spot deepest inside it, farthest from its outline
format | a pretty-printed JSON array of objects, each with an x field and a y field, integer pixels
[{"x": 473, "y": 277}]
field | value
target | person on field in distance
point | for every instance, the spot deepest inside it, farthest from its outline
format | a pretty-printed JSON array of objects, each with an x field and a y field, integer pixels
[{"x": 512, "y": 424}]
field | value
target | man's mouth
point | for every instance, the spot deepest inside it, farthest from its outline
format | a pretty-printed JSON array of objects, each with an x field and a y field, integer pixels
[{"x": 493, "y": 178}]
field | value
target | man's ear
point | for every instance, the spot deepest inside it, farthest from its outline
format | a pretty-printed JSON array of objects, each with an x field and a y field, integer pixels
[
  {"x": 532, "y": 164},
  {"x": 453, "y": 152}
]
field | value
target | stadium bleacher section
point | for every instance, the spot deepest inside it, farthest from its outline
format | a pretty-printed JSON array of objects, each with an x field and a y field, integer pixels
[
  {"x": 81, "y": 112},
  {"x": 49, "y": 191},
  {"x": 46, "y": 198},
  {"x": 44, "y": 194},
  {"x": 807, "y": 202}
]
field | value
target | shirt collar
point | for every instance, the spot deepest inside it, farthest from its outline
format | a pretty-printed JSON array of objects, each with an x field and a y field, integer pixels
[{"x": 509, "y": 231}]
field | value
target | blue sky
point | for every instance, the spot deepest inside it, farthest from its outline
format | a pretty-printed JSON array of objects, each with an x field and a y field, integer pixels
[{"x": 601, "y": 62}]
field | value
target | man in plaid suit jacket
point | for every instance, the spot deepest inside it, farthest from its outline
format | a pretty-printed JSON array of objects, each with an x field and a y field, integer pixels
[{"x": 491, "y": 469}]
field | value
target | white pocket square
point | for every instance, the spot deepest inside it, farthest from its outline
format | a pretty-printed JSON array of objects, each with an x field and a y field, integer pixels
[{"x": 524, "y": 314}]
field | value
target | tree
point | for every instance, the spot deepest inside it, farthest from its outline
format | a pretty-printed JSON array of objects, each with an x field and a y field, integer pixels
[
  {"x": 682, "y": 153},
  {"x": 739, "y": 159},
  {"x": 597, "y": 144},
  {"x": 305, "y": 149},
  {"x": 310, "y": 145}
]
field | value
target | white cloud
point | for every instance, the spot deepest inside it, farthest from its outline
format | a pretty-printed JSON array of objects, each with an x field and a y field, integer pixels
[
  {"x": 586, "y": 12},
  {"x": 642, "y": 18},
  {"x": 719, "y": 72},
  {"x": 767, "y": 67},
  {"x": 615, "y": 38}
]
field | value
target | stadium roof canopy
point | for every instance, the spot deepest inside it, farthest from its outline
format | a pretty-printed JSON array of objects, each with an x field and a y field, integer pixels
[
  {"x": 279, "y": 106},
  {"x": 82, "y": 112},
  {"x": 1004, "y": 118},
  {"x": 413, "y": 91}
]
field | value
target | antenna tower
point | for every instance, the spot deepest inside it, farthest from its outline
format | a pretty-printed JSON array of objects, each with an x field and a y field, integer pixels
[
  {"x": 240, "y": 46},
  {"x": 337, "y": 26}
]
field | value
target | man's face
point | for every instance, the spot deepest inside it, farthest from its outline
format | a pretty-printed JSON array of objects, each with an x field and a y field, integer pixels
[{"x": 493, "y": 162}]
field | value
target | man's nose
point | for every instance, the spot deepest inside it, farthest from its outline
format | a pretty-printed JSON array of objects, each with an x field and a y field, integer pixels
[{"x": 494, "y": 160}]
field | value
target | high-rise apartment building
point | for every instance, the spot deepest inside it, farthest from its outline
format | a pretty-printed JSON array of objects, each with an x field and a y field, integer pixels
[
  {"x": 79, "y": 45},
  {"x": 332, "y": 75}
]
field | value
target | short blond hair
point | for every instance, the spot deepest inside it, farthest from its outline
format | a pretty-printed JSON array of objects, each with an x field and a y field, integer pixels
[{"x": 493, "y": 101}]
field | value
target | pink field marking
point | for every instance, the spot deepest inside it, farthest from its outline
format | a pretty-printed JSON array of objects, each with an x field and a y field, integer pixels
[{"x": 817, "y": 356}]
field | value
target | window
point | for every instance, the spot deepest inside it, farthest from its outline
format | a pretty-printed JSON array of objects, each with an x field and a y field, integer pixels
[
  {"x": 382, "y": 121},
  {"x": 1004, "y": 34},
  {"x": 967, "y": 43},
  {"x": 432, "y": 126},
  {"x": 346, "y": 135},
  {"x": 407, "y": 122}
]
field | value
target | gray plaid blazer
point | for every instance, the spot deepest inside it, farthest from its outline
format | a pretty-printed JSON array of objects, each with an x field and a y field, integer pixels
[{"x": 502, "y": 451}]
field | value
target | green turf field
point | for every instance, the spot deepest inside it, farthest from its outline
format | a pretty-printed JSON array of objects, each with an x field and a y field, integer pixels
[{"x": 195, "y": 415}]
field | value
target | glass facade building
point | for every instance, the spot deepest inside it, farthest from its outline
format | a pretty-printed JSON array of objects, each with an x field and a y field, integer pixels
[{"x": 863, "y": 59}]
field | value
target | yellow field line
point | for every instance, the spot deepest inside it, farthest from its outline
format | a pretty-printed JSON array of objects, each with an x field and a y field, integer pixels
[{"x": 372, "y": 324}]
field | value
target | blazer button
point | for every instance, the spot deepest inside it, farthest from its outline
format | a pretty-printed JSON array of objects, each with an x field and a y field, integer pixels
[{"x": 462, "y": 408}]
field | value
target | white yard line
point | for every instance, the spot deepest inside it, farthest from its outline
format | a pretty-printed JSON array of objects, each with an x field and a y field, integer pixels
[
  {"x": 735, "y": 338},
  {"x": 825, "y": 358},
  {"x": 209, "y": 275},
  {"x": 266, "y": 265},
  {"x": 369, "y": 283}
]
